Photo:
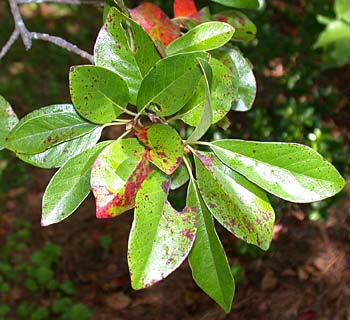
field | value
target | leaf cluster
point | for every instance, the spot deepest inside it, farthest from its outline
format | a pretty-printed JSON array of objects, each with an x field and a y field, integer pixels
[{"x": 148, "y": 81}]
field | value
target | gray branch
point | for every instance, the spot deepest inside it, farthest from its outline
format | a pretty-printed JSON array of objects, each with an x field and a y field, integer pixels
[
  {"x": 60, "y": 42},
  {"x": 27, "y": 36},
  {"x": 9, "y": 43}
]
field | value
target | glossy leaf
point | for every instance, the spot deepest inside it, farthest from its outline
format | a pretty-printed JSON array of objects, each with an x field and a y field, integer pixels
[
  {"x": 8, "y": 120},
  {"x": 98, "y": 94},
  {"x": 47, "y": 127},
  {"x": 161, "y": 237},
  {"x": 224, "y": 91},
  {"x": 244, "y": 4},
  {"x": 238, "y": 65},
  {"x": 207, "y": 259},
  {"x": 245, "y": 28},
  {"x": 342, "y": 9},
  {"x": 59, "y": 154},
  {"x": 165, "y": 146},
  {"x": 184, "y": 8},
  {"x": 69, "y": 186},
  {"x": 335, "y": 31},
  {"x": 155, "y": 22},
  {"x": 125, "y": 48},
  {"x": 170, "y": 83},
  {"x": 288, "y": 170},
  {"x": 206, "y": 36},
  {"x": 206, "y": 117},
  {"x": 239, "y": 205},
  {"x": 117, "y": 175},
  {"x": 179, "y": 177}
]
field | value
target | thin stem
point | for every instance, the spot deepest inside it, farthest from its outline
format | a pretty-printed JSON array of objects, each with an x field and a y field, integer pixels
[
  {"x": 122, "y": 121},
  {"x": 189, "y": 169},
  {"x": 124, "y": 134},
  {"x": 202, "y": 143},
  {"x": 112, "y": 124},
  {"x": 130, "y": 113},
  {"x": 191, "y": 149}
]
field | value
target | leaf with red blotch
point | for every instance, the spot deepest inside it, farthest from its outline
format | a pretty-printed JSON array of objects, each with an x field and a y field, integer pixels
[
  {"x": 117, "y": 175},
  {"x": 184, "y": 8},
  {"x": 161, "y": 237},
  {"x": 165, "y": 146},
  {"x": 155, "y": 22}
]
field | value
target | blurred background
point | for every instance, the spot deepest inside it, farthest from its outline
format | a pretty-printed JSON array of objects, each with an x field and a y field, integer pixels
[{"x": 78, "y": 270}]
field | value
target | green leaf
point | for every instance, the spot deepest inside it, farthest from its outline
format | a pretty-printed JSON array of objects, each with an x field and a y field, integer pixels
[
  {"x": 206, "y": 117},
  {"x": 179, "y": 177},
  {"x": 98, "y": 94},
  {"x": 342, "y": 9},
  {"x": 244, "y": 4},
  {"x": 8, "y": 120},
  {"x": 160, "y": 237},
  {"x": 165, "y": 146},
  {"x": 170, "y": 83},
  {"x": 335, "y": 31},
  {"x": 242, "y": 71},
  {"x": 224, "y": 91},
  {"x": 117, "y": 175},
  {"x": 204, "y": 37},
  {"x": 69, "y": 186},
  {"x": 207, "y": 259},
  {"x": 47, "y": 127},
  {"x": 239, "y": 205},
  {"x": 245, "y": 28},
  {"x": 290, "y": 171},
  {"x": 125, "y": 48},
  {"x": 59, "y": 154}
]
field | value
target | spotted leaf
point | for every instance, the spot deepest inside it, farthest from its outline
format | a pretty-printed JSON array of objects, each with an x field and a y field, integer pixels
[
  {"x": 58, "y": 155},
  {"x": 170, "y": 83},
  {"x": 164, "y": 144},
  {"x": 155, "y": 22},
  {"x": 224, "y": 92},
  {"x": 125, "y": 48},
  {"x": 47, "y": 127},
  {"x": 239, "y": 205},
  {"x": 117, "y": 175},
  {"x": 98, "y": 94},
  {"x": 245, "y": 28},
  {"x": 241, "y": 71},
  {"x": 161, "y": 237}
]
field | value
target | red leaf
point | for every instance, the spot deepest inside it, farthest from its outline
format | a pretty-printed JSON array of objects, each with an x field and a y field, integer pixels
[
  {"x": 108, "y": 204},
  {"x": 184, "y": 8},
  {"x": 155, "y": 22}
]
